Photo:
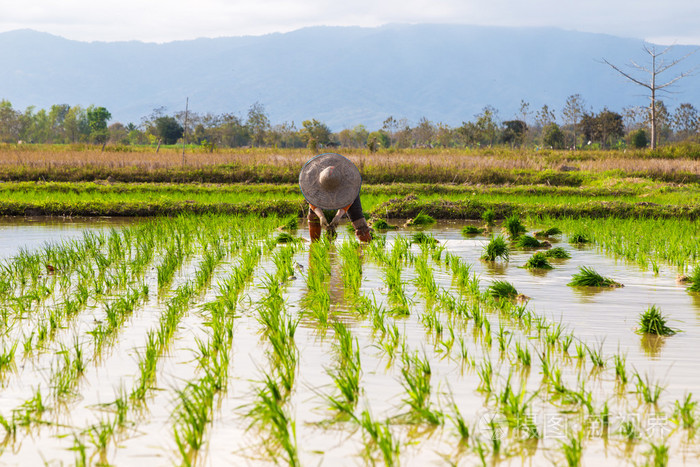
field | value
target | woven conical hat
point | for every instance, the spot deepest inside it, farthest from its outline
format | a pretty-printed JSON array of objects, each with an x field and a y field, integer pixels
[{"x": 330, "y": 181}]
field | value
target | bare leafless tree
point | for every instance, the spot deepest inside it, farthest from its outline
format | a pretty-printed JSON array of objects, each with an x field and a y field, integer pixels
[{"x": 658, "y": 66}]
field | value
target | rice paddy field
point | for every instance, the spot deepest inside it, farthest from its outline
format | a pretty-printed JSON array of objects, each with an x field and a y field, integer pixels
[
  {"x": 232, "y": 340},
  {"x": 170, "y": 311}
]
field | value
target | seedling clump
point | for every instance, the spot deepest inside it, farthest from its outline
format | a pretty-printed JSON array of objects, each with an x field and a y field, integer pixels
[
  {"x": 502, "y": 289},
  {"x": 579, "y": 238},
  {"x": 381, "y": 224},
  {"x": 527, "y": 241},
  {"x": 557, "y": 253},
  {"x": 489, "y": 216},
  {"x": 471, "y": 230},
  {"x": 420, "y": 220},
  {"x": 538, "y": 261},
  {"x": 694, "y": 280},
  {"x": 587, "y": 277},
  {"x": 514, "y": 226},
  {"x": 653, "y": 322},
  {"x": 548, "y": 232},
  {"x": 497, "y": 248}
]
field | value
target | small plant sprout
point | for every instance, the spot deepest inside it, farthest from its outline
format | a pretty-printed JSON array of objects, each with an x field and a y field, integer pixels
[
  {"x": 557, "y": 253},
  {"x": 658, "y": 453},
  {"x": 652, "y": 321},
  {"x": 538, "y": 261},
  {"x": 620, "y": 368},
  {"x": 572, "y": 449},
  {"x": 587, "y": 277},
  {"x": 496, "y": 248},
  {"x": 650, "y": 392},
  {"x": 684, "y": 413},
  {"x": 421, "y": 238},
  {"x": 629, "y": 430}
]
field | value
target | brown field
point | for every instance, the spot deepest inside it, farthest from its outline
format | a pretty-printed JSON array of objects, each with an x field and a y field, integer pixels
[{"x": 497, "y": 165}]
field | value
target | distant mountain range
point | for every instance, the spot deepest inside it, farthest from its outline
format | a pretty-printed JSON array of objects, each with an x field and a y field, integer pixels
[{"x": 343, "y": 76}]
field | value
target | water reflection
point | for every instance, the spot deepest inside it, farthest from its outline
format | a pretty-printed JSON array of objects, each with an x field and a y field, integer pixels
[{"x": 652, "y": 344}]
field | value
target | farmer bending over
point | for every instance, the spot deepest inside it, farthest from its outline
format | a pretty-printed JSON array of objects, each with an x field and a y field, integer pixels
[{"x": 330, "y": 181}]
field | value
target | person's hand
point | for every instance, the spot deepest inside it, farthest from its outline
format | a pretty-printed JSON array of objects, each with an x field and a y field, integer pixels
[
  {"x": 321, "y": 217},
  {"x": 336, "y": 220}
]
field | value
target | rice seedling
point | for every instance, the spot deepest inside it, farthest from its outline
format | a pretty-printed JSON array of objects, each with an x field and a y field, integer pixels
[
  {"x": 649, "y": 391},
  {"x": 469, "y": 230},
  {"x": 628, "y": 429},
  {"x": 496, "y": 248},
  {"x": 684, "y": 413},
  {"x": 652, "y": 321},
  {"x": 658, "y": 453},
  {"x": 502, "y": 290},
  {"x": 596, "y": 356},
  {"x": 522, "y": 353},
  {"x": 587, "y": 277},
  {"x": 514, "y": 226},
  {"x": 538, "y": 261},
  {"x": 381, "y": 437},
  {"x": 557, "y": 253},
  {"x": 572, "y": 449},
  {"x": 416, "y": 374},
  {"x": 485, "y": 372},
  {"x": 620, "y": 368},
  {"x": 381, "y": 224},
  {"x": 284, "y": 237},
  {"x": 420, "y": 220}
]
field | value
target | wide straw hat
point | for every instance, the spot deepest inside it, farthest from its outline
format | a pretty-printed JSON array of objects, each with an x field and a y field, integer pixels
[{"x": 330, "y": 181}]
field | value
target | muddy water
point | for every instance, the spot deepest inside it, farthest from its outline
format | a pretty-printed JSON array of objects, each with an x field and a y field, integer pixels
[
  {"x": 33, "y": 232},
  {"x": 605, "y": 318}
]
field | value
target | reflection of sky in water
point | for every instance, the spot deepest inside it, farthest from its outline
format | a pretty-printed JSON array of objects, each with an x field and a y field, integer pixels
[{"x": 33, "y": 233}]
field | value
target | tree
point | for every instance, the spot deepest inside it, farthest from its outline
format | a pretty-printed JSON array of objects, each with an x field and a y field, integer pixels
[
  {"x": 658, "y": 66},
  {"x": 486, "y": 125},
  {"x": 423, "y": 133},
  {"x": 391, "y": 126},
  {"x": 573, "y": 111},
  {"x": 638, "y": 139},
  {"x": 609, "y": 127},
  {"x": 378, "y": 139},
  {"x": 514, "y": 132},
  {"x": 552, "y": 136},
  {"x": 168, "y": 129},
  {"x": 9, "y": 122},
  {"x": 545, "y": 116},
  {"x": 685, "y": 121},
  {"x": 258, "y": 123},
  {"x": 97, "y": 118},
  {"x": 315, "y": 133}
]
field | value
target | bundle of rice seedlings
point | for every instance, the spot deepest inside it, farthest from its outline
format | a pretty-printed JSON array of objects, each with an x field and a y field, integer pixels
[
  {"x": 557, "y": 253},
  {"x": 548, "y": 232},
  {"x": 579, "y": 237},
  {"x": 538, "y": 261},
  {"x": 285, "y": 237},
  {"x": 514, "y": 226},
  {"x": 291, "y": 223},
  {"x": 502, "y": 290},
  {"x": 496, "y": 248},
  {"x": 488, "y": 216},
  {"x": 471, "y": 230},
  {"x": 587, "y": 277},
  {"x": 526, "y": 241},
  {"x": 381, "y": 224},
  {"x": 694, "y": 280},
  {"x": 652, "y": 321},
  {"x": 420, "y": 219}
]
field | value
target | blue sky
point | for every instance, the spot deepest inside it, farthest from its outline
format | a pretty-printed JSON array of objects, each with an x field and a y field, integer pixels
[{"x": 667, "y": 22}]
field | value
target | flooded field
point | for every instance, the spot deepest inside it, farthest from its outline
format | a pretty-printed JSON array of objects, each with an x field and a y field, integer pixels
[{"x": 219, "y": 341}]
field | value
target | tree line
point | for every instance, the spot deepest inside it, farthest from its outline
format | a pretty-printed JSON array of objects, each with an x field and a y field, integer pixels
[{"x": 575, "y": 125}]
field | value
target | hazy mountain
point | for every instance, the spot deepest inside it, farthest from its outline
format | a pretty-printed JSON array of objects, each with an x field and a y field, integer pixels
[{"x": 341, "y": 76}]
